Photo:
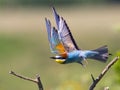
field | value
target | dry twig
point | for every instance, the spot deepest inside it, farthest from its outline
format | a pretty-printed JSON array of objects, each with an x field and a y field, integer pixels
[
  {"x": 37, "y": 80},
  {"x": 95, "y": 81}
]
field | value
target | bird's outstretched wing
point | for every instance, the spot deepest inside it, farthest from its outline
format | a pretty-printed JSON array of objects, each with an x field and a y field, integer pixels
[
  {"x": 53, "y": 37},
  {"x": 64, "y": 33}
]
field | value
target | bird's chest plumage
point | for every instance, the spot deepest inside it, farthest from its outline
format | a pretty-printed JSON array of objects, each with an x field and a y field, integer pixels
[{"x": 73, "y": 57}]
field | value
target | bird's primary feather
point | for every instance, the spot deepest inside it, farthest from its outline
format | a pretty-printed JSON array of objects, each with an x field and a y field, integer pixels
[{"x": 65, "y": 35}]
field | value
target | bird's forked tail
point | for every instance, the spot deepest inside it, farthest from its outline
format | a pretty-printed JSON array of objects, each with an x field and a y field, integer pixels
[{"x": 102, "y": 54}]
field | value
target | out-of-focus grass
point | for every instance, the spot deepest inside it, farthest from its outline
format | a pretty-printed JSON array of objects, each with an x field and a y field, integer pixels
[
  {"x": 24, "y": 47},
  {"x": 11, "y": 46}
]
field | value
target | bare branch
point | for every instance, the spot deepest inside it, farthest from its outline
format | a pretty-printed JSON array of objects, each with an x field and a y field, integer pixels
[
  {"x": 95, "y": 81},
  {"x": 37, "y": 80},
  {"x": 39, "y": 83},
  {"x": 23, "y": 77}
]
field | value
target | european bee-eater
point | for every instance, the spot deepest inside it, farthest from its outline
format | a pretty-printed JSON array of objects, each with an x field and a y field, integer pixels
[{"x": 64, "y": 46}]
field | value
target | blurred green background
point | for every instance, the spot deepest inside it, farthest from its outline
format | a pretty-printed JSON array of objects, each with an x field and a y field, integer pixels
[{"x": 24, "y": 46}]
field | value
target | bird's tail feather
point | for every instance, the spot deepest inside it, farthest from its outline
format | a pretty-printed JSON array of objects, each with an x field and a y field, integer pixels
[{"x": 103, "y": 54}]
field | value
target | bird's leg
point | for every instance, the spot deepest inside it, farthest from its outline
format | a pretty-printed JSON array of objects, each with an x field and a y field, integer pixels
[
  {"x": 85, "y": 60},
  {"x": 83, "y": 64}
]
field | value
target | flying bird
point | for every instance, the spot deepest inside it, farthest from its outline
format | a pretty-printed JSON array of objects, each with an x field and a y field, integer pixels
[{"x": 63, "y": 45}]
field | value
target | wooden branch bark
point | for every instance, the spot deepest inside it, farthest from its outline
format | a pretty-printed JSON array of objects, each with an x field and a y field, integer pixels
[
  {"x": 95, "y": 81},
  {"x": 37, "y": 80}
]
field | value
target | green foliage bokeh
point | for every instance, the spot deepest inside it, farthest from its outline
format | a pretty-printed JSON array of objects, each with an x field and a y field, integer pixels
[{"x": 117, "y": 68}]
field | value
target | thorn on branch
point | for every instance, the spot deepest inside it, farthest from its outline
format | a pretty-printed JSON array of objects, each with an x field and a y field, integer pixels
[{"x": 93, "y": 78}]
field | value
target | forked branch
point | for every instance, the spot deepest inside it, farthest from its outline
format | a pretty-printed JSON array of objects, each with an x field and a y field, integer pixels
[
  {"x": 95, "y": 81},
  {"x": 37, "y": 80}
]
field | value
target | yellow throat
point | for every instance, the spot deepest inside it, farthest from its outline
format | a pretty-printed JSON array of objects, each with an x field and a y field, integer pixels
[{"x": 61, "y": 61}]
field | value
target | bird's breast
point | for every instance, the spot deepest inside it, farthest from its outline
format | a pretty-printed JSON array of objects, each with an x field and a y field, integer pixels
[{"x": 73, "y": 55}]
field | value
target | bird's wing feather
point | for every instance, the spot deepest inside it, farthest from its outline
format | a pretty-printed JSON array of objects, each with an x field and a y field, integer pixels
[
  {"x": 57, "y": 17},
  {"x": 64, "y": 33},
  {"x": 55, "y": 44}
]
